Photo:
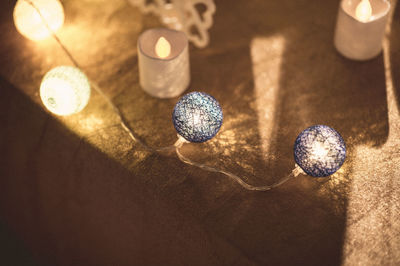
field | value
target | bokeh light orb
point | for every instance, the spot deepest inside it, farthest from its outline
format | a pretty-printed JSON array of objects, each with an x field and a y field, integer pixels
[
  {"x": 319, "y": 150},
  {"x": 197, "y": 117},
  {"x": 32, "y": 24},
  {"x": 65, "y": 90}
]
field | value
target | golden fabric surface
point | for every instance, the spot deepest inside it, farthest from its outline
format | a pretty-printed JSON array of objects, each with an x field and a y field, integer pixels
[{"x": 79, "y": 191}]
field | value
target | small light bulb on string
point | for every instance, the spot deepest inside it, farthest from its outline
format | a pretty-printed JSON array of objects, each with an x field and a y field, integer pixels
[
  {"x": 33, "y": 18},
  {"x": 319, "y": 150},
  {"x": 65, "y": 90},
  {"x": 197, "y": 117}
]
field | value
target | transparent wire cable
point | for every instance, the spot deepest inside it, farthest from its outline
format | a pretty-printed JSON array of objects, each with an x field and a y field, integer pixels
[
  {"x": 122, "y": 119},
  {"x": 178, "y": 144},
  {"x": 181, "y": 141}
]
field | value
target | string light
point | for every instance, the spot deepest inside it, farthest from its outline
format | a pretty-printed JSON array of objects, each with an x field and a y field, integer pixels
[
  {"x": 33, "y": 18},
  {"x": 65, "y": 90},
  {"x": 197, "y": 117},
  {"x": 319, "y": 150},
  {"x": 163, "y": 48}
]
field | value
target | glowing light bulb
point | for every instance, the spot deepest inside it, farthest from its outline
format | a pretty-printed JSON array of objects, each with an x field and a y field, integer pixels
[
  {"x": 319, "y": 150},
  {"x": 65, "y": 90},
  {"x": 163, "y": 48},
  {"x": 197, "y": 117},
  {"x": 32, "y": 18},
  {"x": 364, "y": 11}
]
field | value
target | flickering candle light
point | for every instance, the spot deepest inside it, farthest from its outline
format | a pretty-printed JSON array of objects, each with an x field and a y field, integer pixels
[
  {"x": 163, "y": 57},
  {"x": 360, "y": 28},
  {"x": 33, "y": 18}
]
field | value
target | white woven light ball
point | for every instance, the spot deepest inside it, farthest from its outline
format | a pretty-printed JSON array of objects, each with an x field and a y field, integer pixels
[
  {"x": 33, "y": 18},
  {"x": 65, "y": 90}
]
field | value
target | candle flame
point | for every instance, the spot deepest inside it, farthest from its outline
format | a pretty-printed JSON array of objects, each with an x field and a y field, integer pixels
[
  {"x": 364, "y": 11},
  {"x": 163, "y": 48}
]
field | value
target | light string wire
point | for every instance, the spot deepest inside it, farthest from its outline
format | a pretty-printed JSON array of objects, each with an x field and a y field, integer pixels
[
  {"x": 178, "y": 144},
  {"x": 295, "y": 172}
]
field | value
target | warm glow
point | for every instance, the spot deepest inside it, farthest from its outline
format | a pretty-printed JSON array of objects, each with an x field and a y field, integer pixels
[
  {"x": 197, "y": 119},
  {"x": 364, "y": 11},
  {"x": 65, "y": 90},
  {"x": 34, "y": 25},
  {"x": 163, "y": 48},
  {"x": 319, "y": 150}
]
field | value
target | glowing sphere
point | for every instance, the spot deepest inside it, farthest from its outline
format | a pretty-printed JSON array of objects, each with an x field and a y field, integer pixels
[
  {"x": 197, "y": 117},
  {"x": 319, "y": 150},
  {"x": 65, "y": 90},
  {"x": 32, "y": 24}
]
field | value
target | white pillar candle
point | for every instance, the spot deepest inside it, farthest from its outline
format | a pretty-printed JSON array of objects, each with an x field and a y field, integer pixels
[
  {"x": 163, "y": 56},
  {"x": 361, "y": 27}
]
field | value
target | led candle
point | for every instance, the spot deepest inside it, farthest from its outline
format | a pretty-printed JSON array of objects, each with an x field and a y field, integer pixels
[
  {"x": 33, "y": 18},
  {"x": 163, "y": 57},
  {"x": 360, "y": 28}
]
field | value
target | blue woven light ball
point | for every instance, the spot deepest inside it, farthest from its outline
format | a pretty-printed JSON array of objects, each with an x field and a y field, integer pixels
[
  {"x": 319, "y": 150},
  {"x": 197, "y": 117}
]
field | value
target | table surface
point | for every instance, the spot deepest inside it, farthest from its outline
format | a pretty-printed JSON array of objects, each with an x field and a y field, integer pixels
[{"x": 77, "y": 190}]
